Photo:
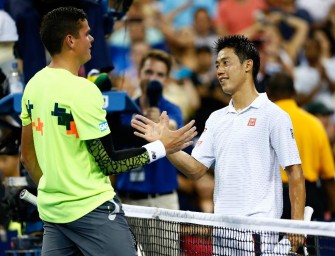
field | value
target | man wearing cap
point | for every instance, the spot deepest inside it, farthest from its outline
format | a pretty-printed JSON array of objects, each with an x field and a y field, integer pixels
[{"x": 326, "y": 116}]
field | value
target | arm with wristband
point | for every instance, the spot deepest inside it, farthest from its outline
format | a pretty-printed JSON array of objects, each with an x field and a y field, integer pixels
[{"x": 113, "y": 162}]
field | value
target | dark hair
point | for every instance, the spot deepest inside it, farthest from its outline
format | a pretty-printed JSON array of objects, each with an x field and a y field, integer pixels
[
  {"x": 243, "y": 48},
  {"x": 280, "y": 86},
  {"x": 201, "y": 9},
  {"x": 158, "y": 55},
  {"x": 57, "y": 24}
]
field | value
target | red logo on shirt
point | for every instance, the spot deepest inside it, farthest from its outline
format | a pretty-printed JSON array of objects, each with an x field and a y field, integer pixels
[
  {"x": 252, "y": 122},
  {"x": 73, "y": 129},
  {"x": 39, "y": 126}
]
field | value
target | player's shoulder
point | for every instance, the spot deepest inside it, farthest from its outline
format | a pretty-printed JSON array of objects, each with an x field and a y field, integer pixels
[
  {"x": 84, "y": 86},
  {"x": 273, "y": 110},
  {"x": 217, "y": 114}
]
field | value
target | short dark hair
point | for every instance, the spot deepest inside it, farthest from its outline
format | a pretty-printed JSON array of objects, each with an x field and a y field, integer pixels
[
  {"x": 158, "y": 55},
  {"x": 58, "y": 23},
  {"x": 280, "y": 86},
  {"x": 243, "y": 48}
]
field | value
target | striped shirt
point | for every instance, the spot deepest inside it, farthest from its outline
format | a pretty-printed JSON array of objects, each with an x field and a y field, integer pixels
[{"x": 248, "y": 148}]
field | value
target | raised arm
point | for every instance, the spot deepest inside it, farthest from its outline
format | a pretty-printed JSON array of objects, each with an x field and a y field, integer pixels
[{"x": 173, "y": 141}]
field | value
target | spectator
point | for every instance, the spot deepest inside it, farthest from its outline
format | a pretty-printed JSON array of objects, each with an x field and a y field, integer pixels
[
  {"x": 326, "y": 116},
  {"x": 314, "y": 148},
  {"x": 9, "y": 154},
  {"x": 314, "y": 79},
  {"x": 138, "y": 49},
  {"x": 229, "y": 19},
  {"x": 328, "y": 26},
  {"x": 205, "y": 34},
  {"x": 317, "y": 9},
  {"x": 289, "y": 7},
  {"x": 183, "y": 10},
  {"x": 179, "y": 42},
  {"x": 28, "y": 15},
  {"x": 137, "y": 27},
  {"x": 204, "y": 78},
  {"x": 153, "y": 185},
  {"x": 281, "y": 51},
  {"x": 8, "y": 36}
]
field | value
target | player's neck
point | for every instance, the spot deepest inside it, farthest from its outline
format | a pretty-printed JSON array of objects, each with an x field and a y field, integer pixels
[
  {"x": 63, "y": 63},
  {"x": 244, "y": 98}
]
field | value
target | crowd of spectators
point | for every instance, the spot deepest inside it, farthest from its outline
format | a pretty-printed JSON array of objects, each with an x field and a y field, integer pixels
[{"x": 293, "y": 36}]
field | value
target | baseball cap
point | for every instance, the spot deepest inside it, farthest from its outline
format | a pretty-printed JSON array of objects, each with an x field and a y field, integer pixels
[
  {"x": 8, "y": 32},
  {"x": 318, "y": 108}
]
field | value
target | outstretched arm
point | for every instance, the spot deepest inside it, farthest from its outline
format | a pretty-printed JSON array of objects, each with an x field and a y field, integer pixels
[
  {"x": 150, "y": 131},
  {"x": 113, "y": 162}
]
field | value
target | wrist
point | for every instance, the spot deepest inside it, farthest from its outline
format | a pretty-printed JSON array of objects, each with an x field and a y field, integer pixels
[{"x": 156, "y": 150}]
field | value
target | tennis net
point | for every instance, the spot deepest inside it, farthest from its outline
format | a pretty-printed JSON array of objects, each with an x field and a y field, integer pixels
[{"x": 169, "y": 232}]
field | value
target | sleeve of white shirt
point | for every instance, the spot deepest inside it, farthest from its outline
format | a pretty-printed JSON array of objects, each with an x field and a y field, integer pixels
[
  {"x": 283, "y": 140},
  {"x": 203, "y": 150}
]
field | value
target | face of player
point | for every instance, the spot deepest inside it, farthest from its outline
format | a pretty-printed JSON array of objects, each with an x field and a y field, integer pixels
[
  {"x": 230, "y": 72},
  {"x": 83, "y": 44},
  {"x": 154, "y": 70}
]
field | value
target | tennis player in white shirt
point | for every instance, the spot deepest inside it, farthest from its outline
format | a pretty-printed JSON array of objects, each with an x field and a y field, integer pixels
[{"x": 248, "y": 141}]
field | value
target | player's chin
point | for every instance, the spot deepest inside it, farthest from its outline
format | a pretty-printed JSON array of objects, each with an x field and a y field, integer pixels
[
  {"x": 87, "y": 58},
  {"x": 226, "y": 90}
]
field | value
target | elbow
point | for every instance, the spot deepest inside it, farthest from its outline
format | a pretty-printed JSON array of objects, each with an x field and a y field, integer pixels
[
  {"x": 195, "y": 175},
  {"x": 199, "y": 170}
]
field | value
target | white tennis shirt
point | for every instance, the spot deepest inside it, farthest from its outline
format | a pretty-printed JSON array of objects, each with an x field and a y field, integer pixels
[{"x": 248, "y": 148}]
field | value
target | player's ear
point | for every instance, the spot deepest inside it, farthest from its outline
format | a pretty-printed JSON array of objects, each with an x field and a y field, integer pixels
[
  {"x": 248, "y": 64},
  {"x": 69, "y": 41}
]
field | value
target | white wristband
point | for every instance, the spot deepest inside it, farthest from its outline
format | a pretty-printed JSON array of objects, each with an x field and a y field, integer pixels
[{"x": 156, "y": 150}]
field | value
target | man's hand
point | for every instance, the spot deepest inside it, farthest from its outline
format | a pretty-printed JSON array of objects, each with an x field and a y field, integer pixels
[
  {"x": 296, "y": 241},
  {"x": 173, "y": 141}
]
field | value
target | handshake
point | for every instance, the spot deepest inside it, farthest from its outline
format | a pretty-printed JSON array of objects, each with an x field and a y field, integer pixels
[{"x": 173, "y": 141}]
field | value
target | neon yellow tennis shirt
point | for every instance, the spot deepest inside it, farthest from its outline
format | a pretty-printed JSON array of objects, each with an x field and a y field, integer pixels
[{"x": 64, "y": 111}]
